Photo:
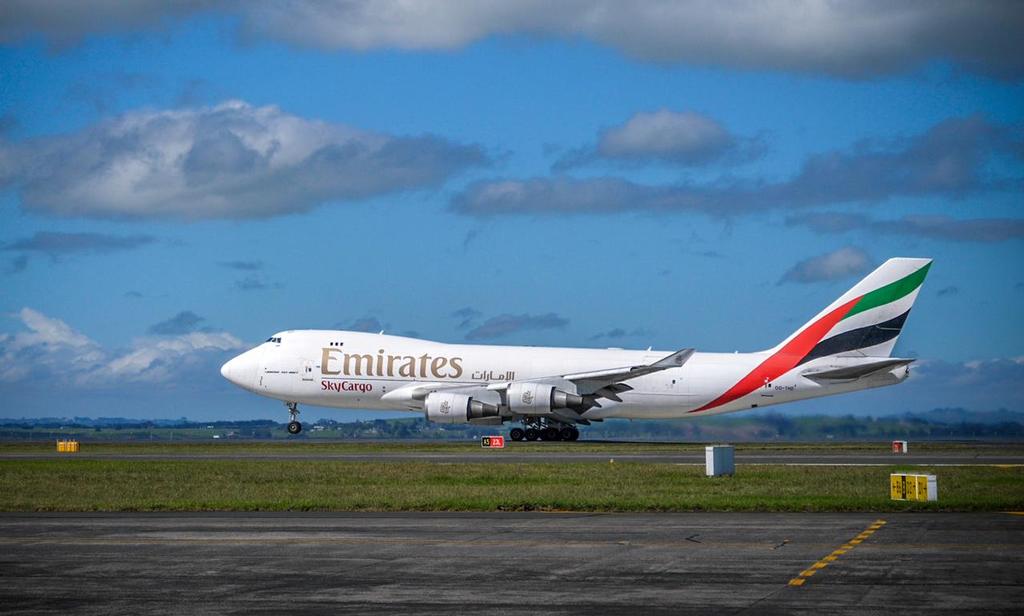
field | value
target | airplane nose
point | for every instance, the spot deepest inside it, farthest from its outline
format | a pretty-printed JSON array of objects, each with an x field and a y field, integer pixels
[{"x": 241, "y": 370}]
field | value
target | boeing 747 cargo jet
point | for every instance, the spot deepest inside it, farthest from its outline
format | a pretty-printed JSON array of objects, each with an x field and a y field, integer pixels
[{"x": 846, "y": 347}]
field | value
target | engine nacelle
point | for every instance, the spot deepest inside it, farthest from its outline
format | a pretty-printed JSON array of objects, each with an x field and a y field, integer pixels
[
  {"x": 450, "y": 407},
  {"x": 539, "y": 398}
]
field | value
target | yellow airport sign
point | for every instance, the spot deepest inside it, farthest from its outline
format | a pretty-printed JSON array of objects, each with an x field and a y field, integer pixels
[
  {"x": 67, "y": 446},
  {"x": 913, "y": 487}
]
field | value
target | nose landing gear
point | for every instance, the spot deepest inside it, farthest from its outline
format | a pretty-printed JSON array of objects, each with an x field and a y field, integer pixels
[{"x": 294, "y": 427}]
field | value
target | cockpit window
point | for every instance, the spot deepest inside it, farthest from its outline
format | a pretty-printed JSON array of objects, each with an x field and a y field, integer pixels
[{"x": 272, "y": 339}]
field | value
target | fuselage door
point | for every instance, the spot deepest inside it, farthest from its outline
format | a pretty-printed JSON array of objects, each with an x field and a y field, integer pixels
[{"x": 307, "y": 373}]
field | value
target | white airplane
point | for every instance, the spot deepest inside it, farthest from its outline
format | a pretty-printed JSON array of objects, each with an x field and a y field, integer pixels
[{"x": 847, "y": 347}]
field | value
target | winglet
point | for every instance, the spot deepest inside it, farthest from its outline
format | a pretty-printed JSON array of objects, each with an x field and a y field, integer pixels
[{"x": 674, "y": 360}]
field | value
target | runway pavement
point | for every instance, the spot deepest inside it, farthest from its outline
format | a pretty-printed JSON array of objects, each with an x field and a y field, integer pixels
[
  {"x": 836, "y": 457},
  {"x": 503, "y": 563}
]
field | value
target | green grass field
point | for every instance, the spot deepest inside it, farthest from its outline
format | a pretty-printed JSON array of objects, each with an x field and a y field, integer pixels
[
  {"x": 68, "y": 484},
  {"x": 368, "y": 447}
]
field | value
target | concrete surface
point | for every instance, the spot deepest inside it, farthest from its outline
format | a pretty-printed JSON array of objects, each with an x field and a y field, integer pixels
[{"x": 504, "y": 563}]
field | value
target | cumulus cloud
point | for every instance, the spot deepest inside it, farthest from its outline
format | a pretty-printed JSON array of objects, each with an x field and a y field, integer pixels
[
  {"x": 50, "y": 345},
  {"x": 834, "y": 265},
  {"x": 164, "y": 359},
  {"x": 506, "y": 324},
  {"x": 55, "y": 244},
  {"x": 232, "y": 160},
  {"x": 184, "y": 322},
  {"x": 561, "y": 195},
  {"x": 856, "y": 39},
  {"x": 933, "y": 227},
  {"x": 998, "y": 374},
  {"x": 682, "y": 138},
  {"x": 66, "y": 22},
  {"x": 51, "y": 350},
  {"x": 948, "y": 160}
]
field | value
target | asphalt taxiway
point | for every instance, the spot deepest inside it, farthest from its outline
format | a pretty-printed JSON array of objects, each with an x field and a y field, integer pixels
[
  {"x": 505, "y": 563},
  {"x": 832, "y": 458}
]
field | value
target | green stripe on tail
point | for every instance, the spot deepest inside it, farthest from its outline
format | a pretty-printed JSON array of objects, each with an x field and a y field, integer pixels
[{"x": 890, "y": 292}]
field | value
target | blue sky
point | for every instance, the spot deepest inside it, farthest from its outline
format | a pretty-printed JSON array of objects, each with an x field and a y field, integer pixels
[{"x": 179, "y": 183}]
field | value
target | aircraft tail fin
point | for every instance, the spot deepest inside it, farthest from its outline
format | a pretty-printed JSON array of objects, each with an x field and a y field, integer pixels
[{"x": 866, "y": 320}]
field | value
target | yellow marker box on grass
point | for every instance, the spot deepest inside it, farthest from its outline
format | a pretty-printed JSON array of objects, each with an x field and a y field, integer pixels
[
  {"x": 67, "y": 446},
  {"x": 913, "y": 487}
]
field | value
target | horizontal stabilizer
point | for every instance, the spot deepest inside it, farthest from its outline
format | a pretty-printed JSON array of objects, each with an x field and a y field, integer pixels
[{"x": 859, "y": 371}]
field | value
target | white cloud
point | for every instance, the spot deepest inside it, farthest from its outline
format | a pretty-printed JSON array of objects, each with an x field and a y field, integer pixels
[
  {"x": 685, "y": 136},
  {"x": 49, "y": 344},
  {"x": 853, "y": 39},
  {"x": 232, "y": 160},
  {"x": 682, "y": 138},
  {"x": 951, "y": 160},
  {"x": 160, "y": 360},
  {"x": 834, "y": 265},
  {"x": 990, "y": 383},
  {"x": 53, "y": 350}
]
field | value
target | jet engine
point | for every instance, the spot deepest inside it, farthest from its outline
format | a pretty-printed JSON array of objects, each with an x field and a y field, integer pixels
[
  {"x": 539, "y": 398},
  {"x": 478, "y": 407}
]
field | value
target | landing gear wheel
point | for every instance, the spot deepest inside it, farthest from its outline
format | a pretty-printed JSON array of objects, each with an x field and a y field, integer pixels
[
  {"x": 532, "y": 434},
  {"x": 517, "y": 434},
  {"x": 550, "y": 434},
  {"x": 566, "y": 433},
  {"x": 575, "y": 436},
  {"x": 294, "y": 427}
]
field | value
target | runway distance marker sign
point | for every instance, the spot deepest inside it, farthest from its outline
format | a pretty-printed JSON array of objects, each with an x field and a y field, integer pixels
[{"x": 492, "y": 442}]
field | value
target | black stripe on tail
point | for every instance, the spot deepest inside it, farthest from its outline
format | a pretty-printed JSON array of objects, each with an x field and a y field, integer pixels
[{"x": 859, "y": 338}]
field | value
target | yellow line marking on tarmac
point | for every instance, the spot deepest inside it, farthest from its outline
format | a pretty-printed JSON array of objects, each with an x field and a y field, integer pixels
[
  {"x": 846, "y": 547},
  {"x": 1015, "y": 512}
]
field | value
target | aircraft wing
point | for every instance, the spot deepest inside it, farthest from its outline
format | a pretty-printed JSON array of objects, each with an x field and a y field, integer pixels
[
  {"x": 594, "y": 382},
  {"x": 591, "y": 385},
  {"x": 608, "y": 383}
]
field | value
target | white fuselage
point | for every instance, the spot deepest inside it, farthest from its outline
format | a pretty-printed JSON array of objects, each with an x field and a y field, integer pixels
[{"x": 356, "y": 370}]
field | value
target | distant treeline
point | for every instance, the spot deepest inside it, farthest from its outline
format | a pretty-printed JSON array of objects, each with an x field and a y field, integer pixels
[{"x": 939, "y": 424}]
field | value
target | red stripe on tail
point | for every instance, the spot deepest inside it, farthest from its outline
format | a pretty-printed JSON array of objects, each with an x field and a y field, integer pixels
[{"x": 787, "y": 358}]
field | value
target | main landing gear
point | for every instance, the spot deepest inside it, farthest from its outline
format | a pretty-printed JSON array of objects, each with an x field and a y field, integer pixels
[
  {"x": 544, "y": 429},
  {"x": 294, "y": 427}
]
